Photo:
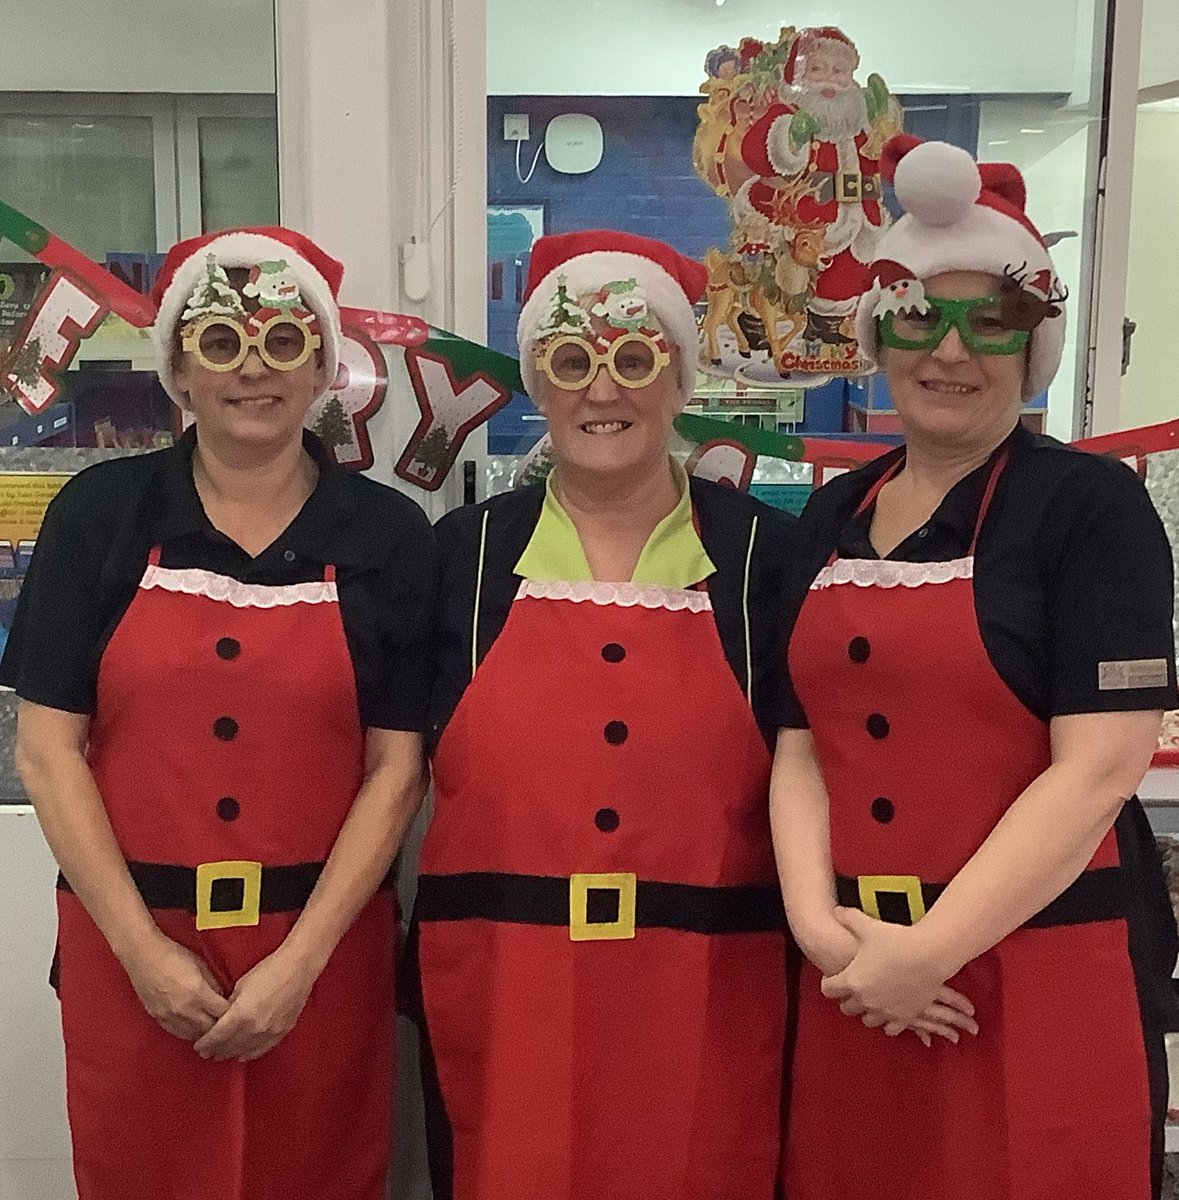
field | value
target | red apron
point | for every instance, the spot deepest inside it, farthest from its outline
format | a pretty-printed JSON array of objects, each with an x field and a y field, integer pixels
[
  {"x": 227, "y": 733},
  {"x": 923, "y": 748},
  {"x": 605, "y": 757}
]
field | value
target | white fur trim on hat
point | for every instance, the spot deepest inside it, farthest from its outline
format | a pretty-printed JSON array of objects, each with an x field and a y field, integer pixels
[
  {"x": 945, "y": 229},
  {"x": 589, "y": 272},
  {"x": 244, "y": 250}
]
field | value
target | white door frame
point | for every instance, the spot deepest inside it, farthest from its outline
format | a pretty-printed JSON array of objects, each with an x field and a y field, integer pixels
[
  {"x": 1115, "y": 187},
  {"x": 382, "y": 157}
]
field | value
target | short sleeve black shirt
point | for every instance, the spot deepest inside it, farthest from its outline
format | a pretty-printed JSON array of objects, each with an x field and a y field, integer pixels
[
  {"x": 1072, "y": 571},
  {"x": 99, "y": 530}
]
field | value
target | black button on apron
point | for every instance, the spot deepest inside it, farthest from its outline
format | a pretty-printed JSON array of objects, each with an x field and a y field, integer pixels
[
  {"x": 883, "y": 809},
  {"x": 606, "y": 820},
  {"x": 859, "y": 649},
  {"x": 288, "y": 556},
  {"x": 877, "y": 726},
  {"x": 228, "y": 808},
  {"x": 616, "y": 733},
  {"x": 225, "y": 728},
  {"x": 612, "y": 652},
  {"x": 228, "y": 648}
]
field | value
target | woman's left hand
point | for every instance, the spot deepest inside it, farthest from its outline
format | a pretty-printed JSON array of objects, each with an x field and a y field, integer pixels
[
  {"x": 891, "y": 981},
  {"x": 262, "y": 1010}
]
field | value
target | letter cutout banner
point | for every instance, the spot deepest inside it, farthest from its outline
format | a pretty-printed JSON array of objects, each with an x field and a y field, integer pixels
[{"x": 457, "y": 384}]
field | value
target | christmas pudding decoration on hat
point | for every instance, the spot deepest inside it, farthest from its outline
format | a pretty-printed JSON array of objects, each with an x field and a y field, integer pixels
[
  {"x": 961, "y": 215},
  {"x": 289, "y": 274},
  {"x": 622, "y": 280}
]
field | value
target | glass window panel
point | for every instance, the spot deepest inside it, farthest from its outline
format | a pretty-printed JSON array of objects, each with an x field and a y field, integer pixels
[
  {"x": 91, "y": 179},
  {"x": 239, "y": 171}
]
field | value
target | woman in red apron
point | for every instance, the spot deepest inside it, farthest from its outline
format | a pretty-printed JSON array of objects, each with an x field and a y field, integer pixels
[
  {"x": 220, "y": 649},
  {"x": 600, "y": 939},
  {"x": 978, "y": 668}
]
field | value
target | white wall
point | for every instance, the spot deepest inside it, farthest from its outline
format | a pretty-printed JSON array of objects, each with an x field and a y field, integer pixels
[
  {"x": 1148, "y": 391},
  {"x": 137, "y": 46},
  {"x": 657, "y": 47},
  {"x": 34, "y": 1139},
  {"x": 1160, "y": 43}
]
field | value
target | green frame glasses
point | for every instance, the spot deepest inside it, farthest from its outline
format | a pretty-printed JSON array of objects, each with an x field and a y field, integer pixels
[{"x": 982, "y": 333}]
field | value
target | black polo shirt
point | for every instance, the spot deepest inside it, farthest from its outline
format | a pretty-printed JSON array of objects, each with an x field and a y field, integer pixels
[
  {"x": 98, "y": 533},
  {"x": 1072, "y": 571},
  {"x": 479, "y": 584}
]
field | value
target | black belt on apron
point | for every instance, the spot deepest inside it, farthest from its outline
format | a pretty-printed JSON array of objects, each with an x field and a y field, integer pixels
[
  {"x": 282, "y": 889},
  {"x": 1096, "y": 895},
  {"x": 598, "y": 907}
]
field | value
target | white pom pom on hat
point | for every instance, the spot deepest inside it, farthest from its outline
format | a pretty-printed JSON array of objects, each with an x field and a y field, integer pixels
[
  {"x": 961, "y": 215},
  {"x": 937, "y": 183}
]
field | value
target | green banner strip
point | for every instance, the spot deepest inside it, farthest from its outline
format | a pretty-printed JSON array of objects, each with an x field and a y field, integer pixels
[
  {"x": 765, "y": 442},
  {"x": 28, "y": 235},
  {"x": 469, "y": 358}
]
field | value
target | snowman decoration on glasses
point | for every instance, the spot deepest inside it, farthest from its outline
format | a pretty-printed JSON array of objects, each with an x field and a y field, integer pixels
[
  {"x": 614, "y": 329},
  {"x": 219, "y": 332}
]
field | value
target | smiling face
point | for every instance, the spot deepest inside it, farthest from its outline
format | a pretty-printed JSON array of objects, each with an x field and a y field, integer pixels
[
  {"x": 254, "y": 404},
  {"x": 951, "y": 396},
  {"x": 606, "y": 427},
  {"x": 597, "y": 423}
]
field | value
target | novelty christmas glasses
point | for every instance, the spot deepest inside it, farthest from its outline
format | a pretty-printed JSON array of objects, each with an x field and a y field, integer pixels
[
  {"x": 572, "y": 363},
  {"x": 979, "y": 322},
  {"x": 218, "y": 343}
]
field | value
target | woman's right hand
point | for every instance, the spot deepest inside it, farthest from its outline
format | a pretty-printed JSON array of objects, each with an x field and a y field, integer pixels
[{"x": 176, "y": 987}]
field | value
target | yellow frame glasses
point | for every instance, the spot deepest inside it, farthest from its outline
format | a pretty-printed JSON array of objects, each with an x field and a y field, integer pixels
[
  {"x": 251, "y": 341},
  {"x": 543, "y": 359}
]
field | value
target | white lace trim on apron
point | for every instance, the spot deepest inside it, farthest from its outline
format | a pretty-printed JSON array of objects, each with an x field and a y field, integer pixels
[
  {"x": 885, "y": 573},
  {"x": 195, "y": 582},
  {"x": 623, "y": 595}
]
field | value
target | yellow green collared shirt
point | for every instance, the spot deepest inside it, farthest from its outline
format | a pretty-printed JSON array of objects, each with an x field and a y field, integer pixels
[{"x": 674, "y": 556}]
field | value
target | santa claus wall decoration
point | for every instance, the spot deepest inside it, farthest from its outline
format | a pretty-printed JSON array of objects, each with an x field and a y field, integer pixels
[{"x": 792, "y": 141}]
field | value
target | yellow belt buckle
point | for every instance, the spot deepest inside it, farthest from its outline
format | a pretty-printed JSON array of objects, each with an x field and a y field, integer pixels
[
  {"x": 207, "y": 874},
  {"x": 849, "y": 186},
  {"x": 581, "y": 929},
  {"x": 908, "y": 886}
]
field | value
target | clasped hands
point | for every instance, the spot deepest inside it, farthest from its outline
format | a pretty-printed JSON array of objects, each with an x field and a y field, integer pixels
[
  {"x": 179, "y": 991},
  {"x": 882, "y": 974}
]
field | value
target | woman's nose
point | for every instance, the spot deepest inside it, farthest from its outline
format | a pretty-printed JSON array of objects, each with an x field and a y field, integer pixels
[
  {"x": 951, "y": 348},
  {"x": 603, "y": 387},
  {"x": 252, "y": 365}
]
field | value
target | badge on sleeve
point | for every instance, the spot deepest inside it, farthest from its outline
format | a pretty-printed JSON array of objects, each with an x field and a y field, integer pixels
[{"x": 1131, "y": 673}]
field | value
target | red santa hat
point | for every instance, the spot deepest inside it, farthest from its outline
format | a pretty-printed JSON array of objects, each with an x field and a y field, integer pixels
[
  {"x": 587, "y": 261},
  {"x": 961, "y": 215},
  {"x": 316, "y": 272},
  {"x": 809, "y": 40}
]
